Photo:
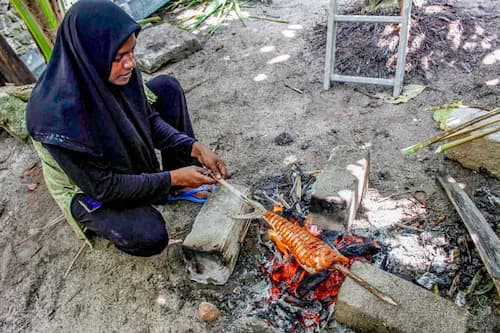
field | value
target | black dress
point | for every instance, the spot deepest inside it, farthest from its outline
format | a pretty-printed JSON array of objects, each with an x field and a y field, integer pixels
[{"x": 125, "y": 215}]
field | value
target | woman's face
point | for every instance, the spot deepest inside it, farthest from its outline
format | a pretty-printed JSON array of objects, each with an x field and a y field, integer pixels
[{"x": 123, "y": 63}]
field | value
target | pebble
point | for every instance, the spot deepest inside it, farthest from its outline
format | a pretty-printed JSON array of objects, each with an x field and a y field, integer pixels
[{"x": 208, "y": 312}]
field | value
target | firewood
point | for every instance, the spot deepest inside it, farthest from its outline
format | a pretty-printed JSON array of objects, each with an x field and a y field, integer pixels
[{"x": 483, "y": 236}]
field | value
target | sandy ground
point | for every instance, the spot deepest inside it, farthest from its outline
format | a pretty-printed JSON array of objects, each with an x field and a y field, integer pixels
[{"x": 239, "y": 105}]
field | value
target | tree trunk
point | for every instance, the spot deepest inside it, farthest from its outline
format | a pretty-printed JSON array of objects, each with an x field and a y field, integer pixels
[{"x": 12, "y": 68}]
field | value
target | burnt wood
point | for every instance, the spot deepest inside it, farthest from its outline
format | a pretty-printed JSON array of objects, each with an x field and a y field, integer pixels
[
  {"x": 483, "y": 236},
  {"x": 12, "y": 68}
]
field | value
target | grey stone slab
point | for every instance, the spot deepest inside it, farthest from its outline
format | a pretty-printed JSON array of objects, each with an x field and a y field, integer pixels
[
  {"x": 419, "y": 310},
  {"x": 164, "y": 43},
  {"x": 337, "y": 193},
  {"x": 212, "y": 247},
  {"x": 480, "y": 154},
  {"x": 140, "y": 9}
]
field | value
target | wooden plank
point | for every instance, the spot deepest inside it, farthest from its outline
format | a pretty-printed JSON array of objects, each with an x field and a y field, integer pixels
[
  {"x": 12, "y": 68},
  {"x": 483, "y": 236}
]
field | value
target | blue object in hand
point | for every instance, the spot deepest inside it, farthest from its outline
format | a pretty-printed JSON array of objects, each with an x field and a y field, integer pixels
[{"x": 89, "y": 204}]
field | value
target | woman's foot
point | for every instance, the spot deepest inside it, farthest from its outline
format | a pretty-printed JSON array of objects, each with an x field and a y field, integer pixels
[{"x": 198, "y": 194}]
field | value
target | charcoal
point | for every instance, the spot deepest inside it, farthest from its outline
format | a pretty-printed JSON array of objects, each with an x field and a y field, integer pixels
[
  {"x": 330, "y": 236},
  {"x": 293, "y": 214},
  {"x": 311, "y": 281},
  {"x": 359, "y": 250},
  {"x": 290, "y": 307},
  {"x": 297, "y": 274}
]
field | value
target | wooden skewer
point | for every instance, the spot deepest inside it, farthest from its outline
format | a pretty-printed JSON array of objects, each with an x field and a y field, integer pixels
[{"x": 366, "y": 285}]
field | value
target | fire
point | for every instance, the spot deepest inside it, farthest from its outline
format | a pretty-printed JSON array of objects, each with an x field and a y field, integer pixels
[{"x": 310, "y": 297}]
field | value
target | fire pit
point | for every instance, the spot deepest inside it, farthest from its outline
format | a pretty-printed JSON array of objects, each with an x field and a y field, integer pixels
[{"x": 298, "y": 300}]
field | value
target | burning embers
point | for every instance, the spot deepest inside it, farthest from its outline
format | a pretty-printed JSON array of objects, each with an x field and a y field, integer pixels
[{"x": 303, "y": 302}]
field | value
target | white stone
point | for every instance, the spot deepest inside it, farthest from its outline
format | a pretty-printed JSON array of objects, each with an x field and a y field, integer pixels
[{"x": 482, "y": 154}]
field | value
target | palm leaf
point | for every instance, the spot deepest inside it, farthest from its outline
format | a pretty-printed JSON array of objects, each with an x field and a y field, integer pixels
[{"x": 34, "y": 27}]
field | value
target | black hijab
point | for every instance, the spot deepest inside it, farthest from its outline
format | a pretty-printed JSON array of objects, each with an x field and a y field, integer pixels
[{"x": 73, "y": 105}]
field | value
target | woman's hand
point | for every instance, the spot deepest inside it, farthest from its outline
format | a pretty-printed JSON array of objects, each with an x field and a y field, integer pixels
[
  {"x": 191, "y": 176},
  {"x": 209, "y": 159}
]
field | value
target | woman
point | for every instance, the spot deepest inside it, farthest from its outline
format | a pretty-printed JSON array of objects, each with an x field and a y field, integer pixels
[{"x": 95, "y": 132}]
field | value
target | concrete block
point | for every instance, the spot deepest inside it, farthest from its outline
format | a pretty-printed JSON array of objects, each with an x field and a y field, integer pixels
[
  {"x": 163, "y": 43},
  {"x": 419, "y": 310},
  {"x": 337, "y": 193},
  {"x": 480, "y": 154},
  {"x": 212, "y": 247}
]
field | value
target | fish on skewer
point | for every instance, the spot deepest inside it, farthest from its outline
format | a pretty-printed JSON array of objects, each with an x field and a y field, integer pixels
[{"x": 312, "y": 253}]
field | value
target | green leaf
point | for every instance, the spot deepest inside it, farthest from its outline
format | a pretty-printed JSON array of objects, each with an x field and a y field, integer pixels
[
  {"x": 153, "y": 19},
  {"x": 409, "y": 91},
  {"x": 442, "y": 113},
  {"x": 441, "y": 116},
  {"x": 49, "y": 14},
  {"x": 35, "y": 29},
  {"x": 484, "y": 289}
]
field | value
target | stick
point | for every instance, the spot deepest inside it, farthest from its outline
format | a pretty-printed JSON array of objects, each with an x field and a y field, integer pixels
[
  {"x": 254, "y": 204},
  {"x": 459, "y": 142},
  {"x": 408, "y": 227},
  {"x": 153, "y": 19},
  {"x": 294, "y": 89},
  {"x": 444, "y": 135},
  {"x": 366, "y": 285},
  {"x": 52, "y": 223},
  {"x": 269, "y": 19},
  {"x": 245, "y": 231},
  {"x": 188, "y": 89},
  {"x": 74, "y": 259},
  {"x": 270, "y": 199}
]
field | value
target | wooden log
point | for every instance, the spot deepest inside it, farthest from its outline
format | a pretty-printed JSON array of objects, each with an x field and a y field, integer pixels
[
  {"x": 22, "y": 92},
  {"x": 12, "y": 68},
  {"x": 212, "y": 247},
  {"x": 483, "y": 236}
]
